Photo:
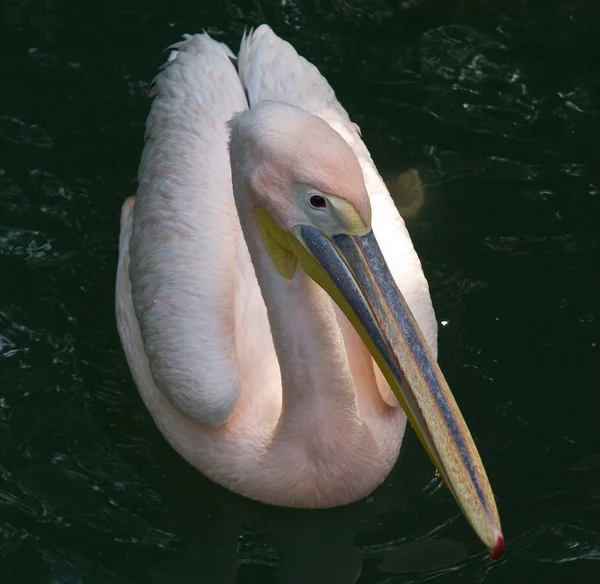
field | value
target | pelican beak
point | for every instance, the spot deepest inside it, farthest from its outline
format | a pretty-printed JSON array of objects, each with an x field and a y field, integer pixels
[{"x": 352, "y": 270}]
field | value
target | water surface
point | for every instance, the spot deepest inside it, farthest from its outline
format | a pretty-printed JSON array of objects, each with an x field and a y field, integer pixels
[{"x": 496, "y": 106}]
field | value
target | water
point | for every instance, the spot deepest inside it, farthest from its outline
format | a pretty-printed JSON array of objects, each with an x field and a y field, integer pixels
[{"x": 498, "y": 110}]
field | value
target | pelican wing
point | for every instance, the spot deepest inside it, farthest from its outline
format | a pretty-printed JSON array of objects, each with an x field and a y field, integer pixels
[{"x": 186, "y": 230}]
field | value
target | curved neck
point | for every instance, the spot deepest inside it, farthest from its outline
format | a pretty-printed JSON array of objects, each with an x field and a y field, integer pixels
[{"x": 315, "y": 372}]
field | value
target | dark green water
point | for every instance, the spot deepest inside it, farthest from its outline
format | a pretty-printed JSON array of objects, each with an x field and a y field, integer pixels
[{"x": 497, "y": 106}]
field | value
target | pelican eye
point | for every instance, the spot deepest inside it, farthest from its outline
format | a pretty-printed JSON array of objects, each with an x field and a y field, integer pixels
[{"x": 317, "y": 202}]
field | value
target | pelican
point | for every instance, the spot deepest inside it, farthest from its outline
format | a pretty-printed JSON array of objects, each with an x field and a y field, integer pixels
[{"x": 270, "y": 303}]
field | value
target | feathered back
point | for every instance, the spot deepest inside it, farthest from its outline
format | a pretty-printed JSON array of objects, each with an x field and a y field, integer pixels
[{"x": 185, "y": 232}]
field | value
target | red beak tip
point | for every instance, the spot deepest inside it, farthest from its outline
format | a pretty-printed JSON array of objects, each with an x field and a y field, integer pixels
[{"x": 498, "y": 549}]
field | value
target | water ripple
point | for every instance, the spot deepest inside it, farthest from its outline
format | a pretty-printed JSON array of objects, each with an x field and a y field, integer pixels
[{"x": 19, "y": 132}]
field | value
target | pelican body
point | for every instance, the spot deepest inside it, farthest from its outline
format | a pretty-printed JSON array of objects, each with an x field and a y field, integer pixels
[{"x": 270, "y": 303}]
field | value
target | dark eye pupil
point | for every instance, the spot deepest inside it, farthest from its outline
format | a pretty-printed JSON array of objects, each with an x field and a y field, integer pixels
[{"x": 317, "y": 201}]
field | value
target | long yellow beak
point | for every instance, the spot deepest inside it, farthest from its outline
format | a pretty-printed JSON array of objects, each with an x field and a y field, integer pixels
[{"x": 354, "y": 273}]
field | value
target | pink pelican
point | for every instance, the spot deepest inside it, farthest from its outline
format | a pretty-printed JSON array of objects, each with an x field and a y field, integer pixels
[{"x": 271, "y": 305}]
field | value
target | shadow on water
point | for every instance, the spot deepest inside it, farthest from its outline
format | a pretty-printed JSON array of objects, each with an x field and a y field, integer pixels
[
  {"x": 225, "y": 536},
  {"x": 496, "y": 105}
]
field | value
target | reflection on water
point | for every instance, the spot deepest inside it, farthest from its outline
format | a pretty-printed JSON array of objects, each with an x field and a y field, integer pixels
[{"x": 496, "y": 107}]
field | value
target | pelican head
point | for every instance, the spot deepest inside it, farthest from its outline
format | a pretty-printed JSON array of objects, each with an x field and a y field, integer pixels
[{"x": 307, "y": 192}]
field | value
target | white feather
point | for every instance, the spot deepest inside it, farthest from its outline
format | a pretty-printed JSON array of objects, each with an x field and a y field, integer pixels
[{"x": 184, "y": 195}]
